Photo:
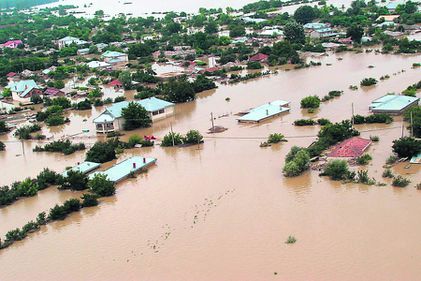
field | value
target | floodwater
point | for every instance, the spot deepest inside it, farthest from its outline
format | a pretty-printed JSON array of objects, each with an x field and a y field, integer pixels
[
  {"x": 147, "y": 8},
  {"x": 222, "y": 210}
]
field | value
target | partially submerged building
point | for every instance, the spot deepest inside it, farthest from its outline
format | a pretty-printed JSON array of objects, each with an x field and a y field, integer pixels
[
  {"x": 23, "y": 90},
  {"x": 265, "y": 111},
  {"x": 350, "y": 148},
  {"x": 393, "y": 104},
  {"x": 111, "y": 120}
]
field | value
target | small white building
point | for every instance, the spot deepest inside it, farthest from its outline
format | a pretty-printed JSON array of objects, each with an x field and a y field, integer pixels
[
  {"x": 68, "y": 40},
  {"x": 98, "y": 64},
  {"x": 111, "y": 120}
]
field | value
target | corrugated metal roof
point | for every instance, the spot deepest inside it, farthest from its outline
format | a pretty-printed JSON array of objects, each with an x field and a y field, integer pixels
[
  {"x": 84, "y": 167},
  {"x": 392, "y": 102},
  {"x": 150, "y": 104},
  {"x": 123, "y": 169},
  {"x": 265, "y": 111}
]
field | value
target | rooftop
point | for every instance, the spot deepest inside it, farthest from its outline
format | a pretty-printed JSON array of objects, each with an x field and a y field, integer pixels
[
  {"x": 123, "y": 169},
  {"x": 115, "y": 111},
  {"x": 84, "y": 167},
  {"x": 392, "y": 103},
  {"x": 265, "y": 111},
  {"x": 353, "y": 147}
]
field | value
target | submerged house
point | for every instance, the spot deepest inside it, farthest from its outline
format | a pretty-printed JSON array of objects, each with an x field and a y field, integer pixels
[
  {"x": 350, "y": 148},
  {"x": 23, "y": 90},
  {"x": 393, "y": 104},
  {"x": 264, "y": 112},
  {"x": 111, "y": 120}
]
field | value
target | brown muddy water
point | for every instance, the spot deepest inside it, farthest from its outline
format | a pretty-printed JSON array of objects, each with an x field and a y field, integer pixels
[{"x": 223, "y": 210}]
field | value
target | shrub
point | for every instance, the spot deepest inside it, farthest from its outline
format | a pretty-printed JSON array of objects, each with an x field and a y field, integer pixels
[
  {"x": 392, "y": 159},
  {"x": 63, "y": 146},
  {"x": 42, "y": 218},
  {"x": 304, "y": 122},
  {"x": 336, "y": 170},
  {"x": 47, "y": 178},
  {"x": 119, "y": 99},
  {"x": 3, "y": 127},
  {"x": 399, "y": 181},
  {"x": 2, "y": 146},
  {"x": 310, "y": 102},
  {"x": 275, "y": 138},
  {"x": 296, "y": 161},
  {"x": 101, "y": 186},
  {"x": 193, "y": 137},
  {"x": 57, "y": 213},
  {"x": 89, "y": 200},
  {"x": 374, "y": 138},
  {"x": 24, "y": 132},
  {"x": 55, "y": 120},
  {"x": 362, "y": 177},
  {"x": 291, "y": 240},
  {"x": 368, "y": 82},
  {"x": 102, "y": 152},
  {"x": 72, "y": 205},
  {"x": 172, "y": 139},
  {"x": 387, "y": 173},
  {"x": 83, "y": 105},
  {"x": 323, "y": 121},
  {"x": 75, "y": 180},
  {"x": 416, "y": 120},
  {"x": 406, "y": 147},
  {"x": 133, "y": 140},
  {"x": 254, "y": 65},
  {"x": 364, "y": 159}
]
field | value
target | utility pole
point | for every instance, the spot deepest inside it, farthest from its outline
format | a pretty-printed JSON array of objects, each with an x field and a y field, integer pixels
[
  {"x": 412, "y": 126},
  {"x": 402, "y": 130},
  {"x": 172, "y": 135},
  {"x": 213, "y": 125},
  {"x": 352, "y": 118}
]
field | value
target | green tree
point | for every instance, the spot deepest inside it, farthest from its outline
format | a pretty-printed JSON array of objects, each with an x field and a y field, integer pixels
[
  {"x": 356, "y": 32},
  {"x": 101, "y": 186},
  {"x": 406, "y": 147},
  {"x": 294, "y": 32},
  {"x": 135, "y": 116},
  {"x": 75, "y": 180},
  {"x": 102, "y": 152},
  {"x": 179, "y": 90},
  {"x": 310, "y": 102},
  {"x": 305, "y": 14},
  {"x": 336, "y": 170}
]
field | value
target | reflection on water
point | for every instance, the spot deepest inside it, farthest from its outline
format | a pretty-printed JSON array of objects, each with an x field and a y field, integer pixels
[{"x": 344, "y": 232}]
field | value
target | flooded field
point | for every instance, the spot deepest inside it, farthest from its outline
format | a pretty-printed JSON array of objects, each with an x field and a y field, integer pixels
[
  {"x": 223, "y": 210},
  {"x": 145, "y": 8}
]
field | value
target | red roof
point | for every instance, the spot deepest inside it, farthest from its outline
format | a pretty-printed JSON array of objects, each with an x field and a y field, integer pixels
[
  {"x": 53, "y": 92},
  {"x": 259, "y": 57},
  {"x": 11, "y": 74},
  {"x": 353, "y": 147},
  {"x": 115, "y": 83}
]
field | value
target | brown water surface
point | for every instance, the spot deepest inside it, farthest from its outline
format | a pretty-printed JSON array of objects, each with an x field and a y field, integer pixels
[{"x": 223, "y": 210}]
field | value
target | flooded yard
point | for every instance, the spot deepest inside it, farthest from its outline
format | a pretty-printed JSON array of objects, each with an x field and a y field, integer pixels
[{"x": 223, "y": 210}]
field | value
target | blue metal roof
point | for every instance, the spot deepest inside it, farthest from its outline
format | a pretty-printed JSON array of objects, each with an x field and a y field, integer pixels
[
  {"x": 265, "y": 111},
  {"x": 392, "y": 103},
  {"x": 23, "y": 87},
  {"x": 116, "y": 110},
  {"x": 84, "y": 167},
  {"x": 112, "y": 54},
  {"x": 124, "y": 168}
]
